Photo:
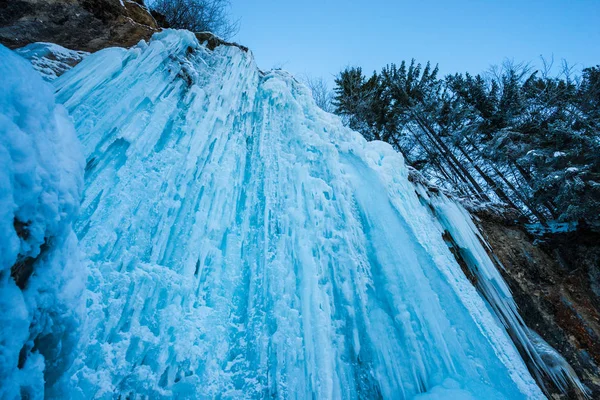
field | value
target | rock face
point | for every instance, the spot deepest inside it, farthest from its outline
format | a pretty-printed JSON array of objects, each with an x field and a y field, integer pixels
[
  {"x": 87, "y": 25},
  {"x": 212, "y": 41},
  {"x": 555, "y": 281}
]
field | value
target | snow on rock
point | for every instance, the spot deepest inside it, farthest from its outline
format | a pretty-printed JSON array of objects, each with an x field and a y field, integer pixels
[
  {"x": 245, "y": 244},
  {"x": 551, "y": 227},
  {"x": 51, "y": 60},
  {"x": 41, "y": 277}
]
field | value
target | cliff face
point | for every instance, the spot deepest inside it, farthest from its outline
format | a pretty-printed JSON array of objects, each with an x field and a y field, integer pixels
[
  {"x": 555, "y": 281},
  {"x": 87, "y": 25}
]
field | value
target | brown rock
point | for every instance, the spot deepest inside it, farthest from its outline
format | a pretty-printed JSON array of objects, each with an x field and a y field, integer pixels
[
  {"x": 87, "y": 25},
  {"x": 212, "y": 41},
  {"x": 555, "y": 280}
]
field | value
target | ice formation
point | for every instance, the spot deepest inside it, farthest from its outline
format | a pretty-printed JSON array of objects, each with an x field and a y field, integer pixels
[
  {"x": 245, "y": 244},
  {"x": 51, "y": 60},
  {"x": 463, "y": 237},
  {"x": 41, "y": 278},
  {"x": 242, "y": 244}
]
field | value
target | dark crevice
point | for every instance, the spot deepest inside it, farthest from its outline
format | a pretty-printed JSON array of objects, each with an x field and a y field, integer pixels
[{"x": 21, "y": 271}]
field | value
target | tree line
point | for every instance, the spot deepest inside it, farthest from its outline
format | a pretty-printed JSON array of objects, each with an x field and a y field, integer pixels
[{"x": 517, "y": 136}]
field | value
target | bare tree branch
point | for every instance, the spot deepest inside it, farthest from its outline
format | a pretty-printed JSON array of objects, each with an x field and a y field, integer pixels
[
  {"x": 198, "y": 16},
  {"x": 320, "y": 90}
]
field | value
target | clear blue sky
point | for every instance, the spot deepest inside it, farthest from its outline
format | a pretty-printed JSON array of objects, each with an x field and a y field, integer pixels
[{"x": 319, "y": 38}]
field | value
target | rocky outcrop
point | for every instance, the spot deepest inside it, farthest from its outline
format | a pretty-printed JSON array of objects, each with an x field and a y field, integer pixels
[
  {"x": 84, "y": 25},
  {"x": 51, "y": 60},
  {"x": 555, "y": 280},
  {"x": 87, "y": 25},
  {"x": 212, "y": 41}
]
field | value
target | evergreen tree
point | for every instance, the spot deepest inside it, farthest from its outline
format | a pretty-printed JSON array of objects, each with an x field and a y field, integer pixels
[{"x": 528, "y": 141}]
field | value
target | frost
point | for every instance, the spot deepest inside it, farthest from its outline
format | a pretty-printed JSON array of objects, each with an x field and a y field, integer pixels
[
  {"x": 41, "y": 278},
  {"x": 245, "y": 244}
]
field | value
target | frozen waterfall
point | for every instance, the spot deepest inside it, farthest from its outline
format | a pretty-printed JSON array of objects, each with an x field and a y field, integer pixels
[
  {"x": 242, "y": 243},
  {"x": 245, "y": 244}
]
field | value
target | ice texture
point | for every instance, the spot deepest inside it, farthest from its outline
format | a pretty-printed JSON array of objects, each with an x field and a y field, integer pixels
[
  {"x": 245, "y": 244},
  {"x": 50, "y": 59},
  {"x": 41, "y": 277},
  {"x": 473, "y": 249}
]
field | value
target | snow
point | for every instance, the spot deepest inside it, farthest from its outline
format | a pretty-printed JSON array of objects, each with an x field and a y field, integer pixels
[
  {"x": 551, "y": 227},
  {"x": 51, "y": 60},
  {"x": 40, "y": 186},
  {"x": 244, "y": 244},
  {"x": 559, "y": 154}
]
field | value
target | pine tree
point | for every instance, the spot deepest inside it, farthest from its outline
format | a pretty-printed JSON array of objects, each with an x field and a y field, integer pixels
[{"x": 529, "y": 141}]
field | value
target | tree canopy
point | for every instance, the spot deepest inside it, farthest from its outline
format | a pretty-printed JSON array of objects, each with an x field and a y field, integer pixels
[{"x": 516, "y": 136}]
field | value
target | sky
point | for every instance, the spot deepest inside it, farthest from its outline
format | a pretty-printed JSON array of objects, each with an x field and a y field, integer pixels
[{"x": 319, "y": 38}]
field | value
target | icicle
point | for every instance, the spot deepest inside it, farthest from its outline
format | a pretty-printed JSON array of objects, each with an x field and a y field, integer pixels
[
  {"x": 474, "y": 250},
  {"x": 244, "y": 243}
]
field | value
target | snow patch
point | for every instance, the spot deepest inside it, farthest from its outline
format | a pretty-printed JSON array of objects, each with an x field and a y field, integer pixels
[
  {"x": 41, "y": 277},
  {"x": 51, "y": 60}
]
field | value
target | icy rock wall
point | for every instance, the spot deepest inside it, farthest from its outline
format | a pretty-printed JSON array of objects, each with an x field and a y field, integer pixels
[
  {"x": 41, "y": 277},
  {"x": 244, "y": 244},
  {"x": 51, "y": 60},
  {"x": 463, "y": 236}
]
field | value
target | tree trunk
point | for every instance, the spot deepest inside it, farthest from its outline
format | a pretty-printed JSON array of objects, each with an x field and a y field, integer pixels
[{"x": 446, "y": 151}]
